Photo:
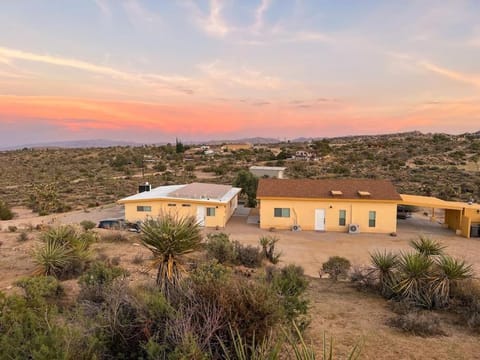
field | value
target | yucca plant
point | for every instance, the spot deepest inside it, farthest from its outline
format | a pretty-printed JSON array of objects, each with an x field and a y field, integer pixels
[
  {"x": 267, "y": 349},
  {"x": 64, "y": 251},
  {"x": 53, "y": 258},
  {"x": 427, "y": 247},
  {"x": 414, "y": 277},
  {"x": 385, "y": 264},
  {"x": 448, "y": 271},
  {"x": 168, "y": 238}
]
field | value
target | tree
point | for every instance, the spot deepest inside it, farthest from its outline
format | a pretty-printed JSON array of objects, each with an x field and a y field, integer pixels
[
  {"x": 248, "y": 182},
  {"x": 179, "y": 148},
  {"x": 168, "y": 238},
  {"x": 5, "y": 211}
]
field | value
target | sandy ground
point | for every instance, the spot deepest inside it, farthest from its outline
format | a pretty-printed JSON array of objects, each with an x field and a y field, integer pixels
[
  {"x": 337, "y": 309},
  {"x": 310, "y": 249}
]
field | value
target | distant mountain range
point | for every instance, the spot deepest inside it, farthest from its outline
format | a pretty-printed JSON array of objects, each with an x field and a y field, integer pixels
[{"x": 253, "y": 140}]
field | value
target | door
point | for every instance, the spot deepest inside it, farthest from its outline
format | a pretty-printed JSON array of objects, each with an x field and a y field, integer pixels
[
  {"x": 201, "y": 210},
  {"x": 320, "y": 219}
]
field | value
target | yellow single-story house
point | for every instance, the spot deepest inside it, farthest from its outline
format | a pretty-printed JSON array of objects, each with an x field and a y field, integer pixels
[
  {"x": 211, "y": 204},
  {"x": 353, "y": 205}
]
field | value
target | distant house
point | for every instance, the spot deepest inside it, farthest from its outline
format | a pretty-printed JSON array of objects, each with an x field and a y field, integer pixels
[
  {"x": 354, "y": 205},
  {"x": 303, "y": 155},
  {"x": 236, "y": 147},
  {"x": 268, "y": 171},
  {"x": 211, "y": 204}
]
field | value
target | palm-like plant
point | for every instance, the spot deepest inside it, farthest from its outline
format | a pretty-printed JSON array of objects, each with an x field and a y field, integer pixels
[
  {"x": 414, "y": 271},
  {"x": 52, "y": 258},
  {"x": 448, "y": 271},
  {"x": 63, "y": 248},
  {"x": 168, "y": 237},
  {"x": 385, "y": 264},
  {"x": 427, "y": 246}
]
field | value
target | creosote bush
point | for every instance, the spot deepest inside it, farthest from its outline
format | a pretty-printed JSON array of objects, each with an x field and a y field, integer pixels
[
  {"x": 5, "y": 211},
  {"x": 220, "y": 247},
  {"x": 336, "y": 267},
  {"x": 87, "y": 225}
]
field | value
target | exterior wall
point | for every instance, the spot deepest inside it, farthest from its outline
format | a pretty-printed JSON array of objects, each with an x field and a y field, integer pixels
[
  {"x": 472, "y": 214},
  {"x": 302, "y": 212},
  {"x": 223, "y": 212},
  {"x": 453, "y": 219},
  {"x": 270, "y": 173},
  {"x": 465, "y": 226}
]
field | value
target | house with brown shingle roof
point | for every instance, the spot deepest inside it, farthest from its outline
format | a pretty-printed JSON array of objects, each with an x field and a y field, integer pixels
[{"x": 345, "y": 205}]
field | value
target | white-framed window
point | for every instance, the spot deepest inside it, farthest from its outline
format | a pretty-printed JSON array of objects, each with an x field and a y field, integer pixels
[
  {"x": 281, "y": 212},
  {"x": 372, "y": 218},
  {"x": 210, "y": 211},
  {"x": 143, "y": 208}
]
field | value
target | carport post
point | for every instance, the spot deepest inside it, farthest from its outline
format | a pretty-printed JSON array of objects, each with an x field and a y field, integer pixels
[{"x": 432, "y": 219}]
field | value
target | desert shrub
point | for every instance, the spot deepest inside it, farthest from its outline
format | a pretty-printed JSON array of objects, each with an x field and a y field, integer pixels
[
  {"x": 116, "y": 260},
  {"x": 118, "y": 322},
  {"x": 5, "y": 211},
  {"x": 466, "y": 302},
  {"x": 138, "y": 259},
  {"x": 290, "y": 284},
  {"x": 363, "y": 278},
  {"x": 114, "y": 236},
  {"x": 87, "y": 225},
  {"x": 420, "y": 324},
  {"x": 268, "y": 248},
  {"x": 22, "y": 237},
  {"x": 12, "y": 228},
  {"x": 97, "y": 279},
  {"x": 247, "y": 255},
  {"x": 336, "y": 266},
  {"x": 40, "y": 288},
  {"x": 220, "y": 247}
]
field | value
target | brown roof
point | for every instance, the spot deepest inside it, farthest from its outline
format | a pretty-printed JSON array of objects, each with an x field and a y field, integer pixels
[{"x": 321, "y": 189}]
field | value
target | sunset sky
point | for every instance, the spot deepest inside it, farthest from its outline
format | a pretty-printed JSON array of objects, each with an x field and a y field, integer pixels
[{"x": 153, "y": 70}]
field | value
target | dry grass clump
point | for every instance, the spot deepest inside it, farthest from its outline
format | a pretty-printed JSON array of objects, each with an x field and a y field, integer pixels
[
  {"x": 114, "y": 236},
  {"x": 423, "y": 324}
]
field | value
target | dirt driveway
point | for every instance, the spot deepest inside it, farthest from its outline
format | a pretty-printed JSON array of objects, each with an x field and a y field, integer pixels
[{"x": 310, "y": 249}]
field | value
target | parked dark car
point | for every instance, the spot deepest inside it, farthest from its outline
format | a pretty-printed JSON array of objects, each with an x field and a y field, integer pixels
[
  {"x": 118, "y": 224},
  {"x": 403, "y": 212}
]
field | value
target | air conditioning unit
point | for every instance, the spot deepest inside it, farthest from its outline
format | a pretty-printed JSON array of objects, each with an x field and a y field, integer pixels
[
  {"x": 296, "y": 228},
  {"x": 353, "y": 229}
]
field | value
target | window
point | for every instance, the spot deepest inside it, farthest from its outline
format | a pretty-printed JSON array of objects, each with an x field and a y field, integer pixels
[
  {"x": 210, "y": 211},
  {"x": 186, "y": 205},
  {"x": 281, "y": 212},
  {"x": 172, "y": 204},
  {"x": 342, "y": 216},
  {"x": 144, "y": 208},
  {"x": 372, "y": 217}
]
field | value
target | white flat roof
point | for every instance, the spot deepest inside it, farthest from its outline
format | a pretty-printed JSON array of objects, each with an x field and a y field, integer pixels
[
  {"x": 208, "y": 193},
  {"x": 272, "y": 168}
]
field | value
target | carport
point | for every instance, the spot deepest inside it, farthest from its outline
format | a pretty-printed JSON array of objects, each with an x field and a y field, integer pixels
[{"x": 463, "y": 218}]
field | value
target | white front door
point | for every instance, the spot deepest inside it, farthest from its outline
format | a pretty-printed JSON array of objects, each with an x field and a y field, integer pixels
[
  {"x": 201, "y": 210},
  {"x": 320, "y": 219}
]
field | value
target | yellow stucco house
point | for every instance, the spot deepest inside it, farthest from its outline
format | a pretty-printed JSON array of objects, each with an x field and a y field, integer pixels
[
  {"x": 211, "y": 204},
  {"x": 353, "y": 205}
]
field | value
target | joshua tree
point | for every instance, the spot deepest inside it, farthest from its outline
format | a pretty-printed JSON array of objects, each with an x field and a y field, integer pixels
[{"x": 169, "y": 237}]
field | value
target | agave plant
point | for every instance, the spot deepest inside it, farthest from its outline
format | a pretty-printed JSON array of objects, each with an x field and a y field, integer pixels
[
  {"x": 168, "y": 238},
  {"x": 415, "y": 275},
  {"x": 448, "y": 271},
  {"x": 427, "y": 246},
  {"x": 385, "y": 264}
]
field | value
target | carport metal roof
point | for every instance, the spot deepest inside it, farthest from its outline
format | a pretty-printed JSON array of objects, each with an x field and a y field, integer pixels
[{"x": 433, "y": 202}]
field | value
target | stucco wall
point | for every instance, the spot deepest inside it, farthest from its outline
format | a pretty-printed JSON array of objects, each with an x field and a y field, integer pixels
[
  {"x": 222, "y": 211},
  {"x": 303, "y": 211},
  {"x": 453, "y": 219}
]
